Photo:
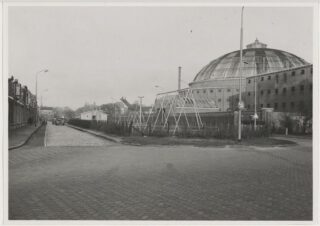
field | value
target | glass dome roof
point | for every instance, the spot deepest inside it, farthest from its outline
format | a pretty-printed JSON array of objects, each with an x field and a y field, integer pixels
[{"x": 256, "y": 61}]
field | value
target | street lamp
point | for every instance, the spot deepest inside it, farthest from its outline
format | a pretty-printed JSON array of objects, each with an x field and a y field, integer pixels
[
  {"x": 240, "y": 105},
  {"x": 44, "y": 71}
]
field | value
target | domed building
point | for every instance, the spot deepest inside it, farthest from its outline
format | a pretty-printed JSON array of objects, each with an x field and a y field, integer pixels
[{"x": 219, "y": 80}]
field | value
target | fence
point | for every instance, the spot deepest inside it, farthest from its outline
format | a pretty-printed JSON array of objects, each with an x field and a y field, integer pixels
[{"x": 110, "y": 126}]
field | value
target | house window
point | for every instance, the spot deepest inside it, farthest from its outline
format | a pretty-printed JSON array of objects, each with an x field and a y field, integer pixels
[
  {"x": 301, "y": 88},
  {"x": 269, "y": 91},
  {"x": 249, "y": 93},
  {"x": 284, "y": 105},
  {"x": 269, "y": 77},
  {"x": 277, "y": 78},
  {"x": 276, "y": 91},
  {"x": 285, "y": 77},
  {"x": 284, "y": 90},
  {"x": 275, "y": 106},
  {"x": 302, "y": 72},
  {"x": 249, "y": 81},
  {"x": 293, "y": 73},
  {"x": 262, "y": 79},
  {"x": 293, "y": 89},
  {"x": 292, "y": 105}
]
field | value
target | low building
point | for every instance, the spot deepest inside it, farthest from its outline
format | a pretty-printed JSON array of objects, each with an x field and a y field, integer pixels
[{"x": 94, "y": 115}]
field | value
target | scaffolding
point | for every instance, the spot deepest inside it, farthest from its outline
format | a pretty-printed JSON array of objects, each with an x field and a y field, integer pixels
[{"x": 180, "y": 104}]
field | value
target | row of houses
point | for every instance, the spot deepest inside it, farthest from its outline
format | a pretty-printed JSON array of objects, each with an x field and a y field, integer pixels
[{"x": 22, "y": 104}]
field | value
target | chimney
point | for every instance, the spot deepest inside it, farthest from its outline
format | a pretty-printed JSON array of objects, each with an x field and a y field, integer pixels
[{"x": 179, "y": 78}]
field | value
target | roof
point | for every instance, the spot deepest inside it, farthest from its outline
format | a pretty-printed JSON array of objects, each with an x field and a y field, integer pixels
[{"x": 256, "y": 61}]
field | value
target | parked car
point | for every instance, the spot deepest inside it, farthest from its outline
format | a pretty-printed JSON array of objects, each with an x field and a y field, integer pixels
[{"x": 59, "y": 121}]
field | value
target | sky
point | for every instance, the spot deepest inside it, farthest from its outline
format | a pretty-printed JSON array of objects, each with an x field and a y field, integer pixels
[{"x": 99, "y": 54}]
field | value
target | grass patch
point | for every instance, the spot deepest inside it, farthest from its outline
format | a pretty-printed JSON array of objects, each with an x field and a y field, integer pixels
[{"x": 202, "y": 142}]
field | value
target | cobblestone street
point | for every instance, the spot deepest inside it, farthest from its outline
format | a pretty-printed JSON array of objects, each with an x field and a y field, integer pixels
[{"x": 79, "y": 176}]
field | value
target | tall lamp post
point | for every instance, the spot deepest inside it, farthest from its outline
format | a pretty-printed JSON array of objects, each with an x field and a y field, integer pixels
[
  {"x": 140, "y": 121},
  {"x": 240, "y": 105},
  {"x": 44, "y": 71}
]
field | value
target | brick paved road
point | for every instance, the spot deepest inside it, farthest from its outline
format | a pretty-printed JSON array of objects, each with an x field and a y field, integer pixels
[
  {"x": 66, "y": 136},
  {"x": 117, "y": 182}
]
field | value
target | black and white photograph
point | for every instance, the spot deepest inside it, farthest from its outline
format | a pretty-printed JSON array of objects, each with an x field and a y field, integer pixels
[{"x": 163, "y": 111}]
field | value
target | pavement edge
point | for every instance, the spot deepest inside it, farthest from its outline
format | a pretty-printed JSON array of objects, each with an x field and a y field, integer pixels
[
  {"x": 93, "y": 133},
  {"x": 28, "y": 138}
]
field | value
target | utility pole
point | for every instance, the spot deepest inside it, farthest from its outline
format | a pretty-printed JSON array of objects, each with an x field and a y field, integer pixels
[
  {"x": 240, "y": 105},
  {"x": 140, "y": 121},
  {"x": 255, "y": 116},
  {"x": 179, "y": 78}
]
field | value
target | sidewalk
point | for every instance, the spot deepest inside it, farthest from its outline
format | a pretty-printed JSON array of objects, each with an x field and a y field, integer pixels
[
  {"x": 98, "y": 134},
  {"x": 19, "y": 137}
]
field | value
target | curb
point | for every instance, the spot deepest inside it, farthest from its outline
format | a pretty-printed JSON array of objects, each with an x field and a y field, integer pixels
[
  {"x": 93, "y": 133},
  {"x": 28, "y": 138}
]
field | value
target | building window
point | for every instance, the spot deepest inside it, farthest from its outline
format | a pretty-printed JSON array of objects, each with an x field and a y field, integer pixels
[
  {"x": 283, "y": 105},
  {"x": 277, "y": 78},
  {"x": 275, "y": 106},
  {"x": 268, "y": 105},
  {"x": 285, "y": 77},
  {"x": 301, "y": 88},
  {"x": 261, "y": 92},
  {"x": 276, "y": 91},
  {"x": 248, "y": 106},
  {"x": 197, "y": 91},
  {"x": 249, "y": 81},
  {"x": 302, "y": 72},
  {"x": 292, "y": 105},
  {"x": 293, "y": 73},
  {"x": 249, "y": 93},
  {"x": 293, "y": 89},
  {"x": 219, "y": 90},
  {"x": 228, "y": 90},
  {"x": 261, "y": 105},
  {"x": 262, "y": 79},
  {"x": 219, "y": 100},
  {"x": 237, "y": 90},
  {"x": 204, "y": 91},
  {"x": 284, "y": 90},
  {"x": 269, "y": 91},
  {"x": 211, "y": 91},
  {"x": 269, "y": 77}
]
